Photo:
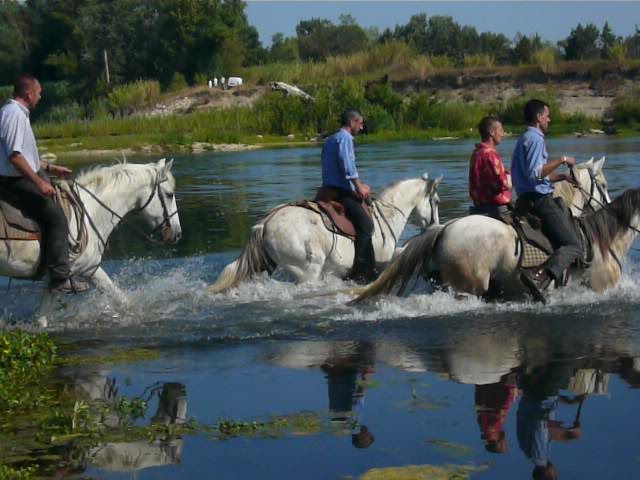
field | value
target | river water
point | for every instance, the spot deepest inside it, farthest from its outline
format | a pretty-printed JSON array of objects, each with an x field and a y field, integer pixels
[{"x": 420, "y": 380}]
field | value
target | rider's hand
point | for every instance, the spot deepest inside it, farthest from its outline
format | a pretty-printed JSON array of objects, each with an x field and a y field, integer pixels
[
  {"x": 59, "y": 170},
  {"x": 570, "y": 178},
  {"x": 46, "y": 188},
  {"x": 569, "y": 161},
  {"x": 364, "y": 190}
]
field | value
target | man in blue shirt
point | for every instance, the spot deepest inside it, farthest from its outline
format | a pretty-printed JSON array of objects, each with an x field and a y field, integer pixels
[
  {"x": 533, "y": 175},
  {"x": 340, "y": 175}
]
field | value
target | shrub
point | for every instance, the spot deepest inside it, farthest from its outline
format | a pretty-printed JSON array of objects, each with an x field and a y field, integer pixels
[
  {"x": 626, "y": 110},
  {"x": 479, "y": 60},
  {"x": 377, "y": 119},
  {"x": 127, "y": 99},
  {"x": 282, "y": 115},
  {"x": 382, "y": 94},
  {"x": 178, "y": 82},
  {"x": 512, "y": 112},
  {"x": 423, "y": 112},
  {"x": 619, "y": 56},
  {"x": 546, "y": 59},
  {"x": 441, "y": 61},
  {"x": 64, "y": 113}
]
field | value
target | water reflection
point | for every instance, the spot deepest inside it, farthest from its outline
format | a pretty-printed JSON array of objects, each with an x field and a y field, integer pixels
[
  {"x": 100, "y": 391},
  {"x": 529, "y": 373}
]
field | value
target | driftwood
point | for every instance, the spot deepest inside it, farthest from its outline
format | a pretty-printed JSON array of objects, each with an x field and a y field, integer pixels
[{"x": 290, "y": 90}]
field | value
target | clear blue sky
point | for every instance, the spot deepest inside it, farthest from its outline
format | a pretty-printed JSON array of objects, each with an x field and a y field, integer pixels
[{"x": 552, "y": 20}]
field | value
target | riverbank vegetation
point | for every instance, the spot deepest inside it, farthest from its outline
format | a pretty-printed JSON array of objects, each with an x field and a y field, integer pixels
[{"x": 102, "y": 79}]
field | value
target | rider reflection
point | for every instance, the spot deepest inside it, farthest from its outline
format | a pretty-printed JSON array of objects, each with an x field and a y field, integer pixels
[
  {"x": 493, "y": 402},
  {"x": 537, "y": 425},
  {"x": 346, "y": 380}
]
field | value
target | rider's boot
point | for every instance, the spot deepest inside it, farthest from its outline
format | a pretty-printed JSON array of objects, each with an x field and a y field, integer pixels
[
  {"x": 536, "y": 280},
  {"x": 68, "y": 285}
]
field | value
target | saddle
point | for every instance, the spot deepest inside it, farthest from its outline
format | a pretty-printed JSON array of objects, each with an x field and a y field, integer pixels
[
  {"x": 332, "y": 212},
  {"x": 534, "y": 248},
  {"x": 16, "y": 226}
]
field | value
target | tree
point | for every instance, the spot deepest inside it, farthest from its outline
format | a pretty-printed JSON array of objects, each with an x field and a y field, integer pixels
[
  {"x": 581, "y": 43},
  {"x": 320, "y": 38},
  {"x": 283, "y": 49},
  {"x": 14, "y": 46},
  {"x": 607, "y": 41},
  {"x": 632, "y": 43}
]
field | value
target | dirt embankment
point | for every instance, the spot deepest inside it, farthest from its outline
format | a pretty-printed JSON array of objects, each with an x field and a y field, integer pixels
[{"x": 575, "y": 94}]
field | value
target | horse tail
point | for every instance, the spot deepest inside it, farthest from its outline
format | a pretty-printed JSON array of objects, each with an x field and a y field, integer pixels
[
  {"x": 254, "y": 259},
  {"x": 413, "y": 259}
]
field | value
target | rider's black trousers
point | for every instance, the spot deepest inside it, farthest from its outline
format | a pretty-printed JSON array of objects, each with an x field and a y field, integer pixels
[
  {"x": 23, "y": 194},
  {"x": 556, "y": 225},
  {"x": 364, "y": 260}
]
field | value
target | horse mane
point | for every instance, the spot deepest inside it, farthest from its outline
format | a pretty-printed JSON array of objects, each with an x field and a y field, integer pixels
[
  {"x": 392, "y": 187},
  {"x": 604, "y": 225},
  {"x": 102, "y": 176}
]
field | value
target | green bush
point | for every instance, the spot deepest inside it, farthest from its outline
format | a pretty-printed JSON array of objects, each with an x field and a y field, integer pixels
[
  {"x": 64, "y": 113},
  {"x": 423, "y": 112},
  {"x": 131, "y": 97},
  {"x": 626, "y": 110},
  {"x": 512, "y": 113},
  {"x": 24, "y": 360},
  {"x": 384, "y": 96},
  {"x": 378, "y": 119},
  {"x": 6, "y": 92},
  {"x": 178, "y": 82},
  {"x": 282, "y": 115}
]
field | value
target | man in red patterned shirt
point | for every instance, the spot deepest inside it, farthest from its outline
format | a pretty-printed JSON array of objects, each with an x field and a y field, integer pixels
[{"x": 489, "y": 181}]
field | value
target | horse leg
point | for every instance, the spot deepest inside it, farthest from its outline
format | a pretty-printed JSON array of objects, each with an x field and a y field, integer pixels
[
  {"x": 46, "y": 307},
  {"x": 103, "y": 282}
]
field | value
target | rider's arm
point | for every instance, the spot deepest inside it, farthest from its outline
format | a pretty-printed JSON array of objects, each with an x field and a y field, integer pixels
[{"x": 20, "y": 164}]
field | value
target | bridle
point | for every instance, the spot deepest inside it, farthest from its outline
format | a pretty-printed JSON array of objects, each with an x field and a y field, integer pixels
[
  {"x": 166, "y": 216},
  {"x": 594, "y": 185}
]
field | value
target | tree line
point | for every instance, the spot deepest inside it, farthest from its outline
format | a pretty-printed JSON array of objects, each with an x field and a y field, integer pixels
[{"x": 76, "y": 40}]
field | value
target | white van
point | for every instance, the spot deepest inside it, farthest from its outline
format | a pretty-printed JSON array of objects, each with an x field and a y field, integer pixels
[{"x": 234, "y": 82}]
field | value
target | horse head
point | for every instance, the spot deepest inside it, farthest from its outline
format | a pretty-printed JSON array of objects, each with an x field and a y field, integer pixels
[
  {"x": 426, "y": 211},
  {"x": 159, "y": 208},
  {"x": 593, "y": 184}
]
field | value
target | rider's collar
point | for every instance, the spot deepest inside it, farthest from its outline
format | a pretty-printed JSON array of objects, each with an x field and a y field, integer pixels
[
  {"x": 536, "y": 130},
  {"x": 24, "y": 109}
]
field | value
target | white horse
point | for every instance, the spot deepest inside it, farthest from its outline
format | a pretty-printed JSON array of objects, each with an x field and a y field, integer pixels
[
  {"x": 479, "y": 254},
  {"x": 295, "y": 238},
  {"x": 108, "y": 194}
]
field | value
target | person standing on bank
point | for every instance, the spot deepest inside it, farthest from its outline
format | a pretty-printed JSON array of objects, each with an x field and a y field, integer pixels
[
  {"x": 25, "y": 185},
  {"x": 340, "y": 175},
  {"x": 489, "y": 181},
  {"x": 534, "y": 174}
]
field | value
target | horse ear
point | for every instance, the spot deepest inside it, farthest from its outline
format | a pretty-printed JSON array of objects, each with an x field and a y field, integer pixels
[
  {"x": 597, "y": 168},
  {"x": 588, "y": 164},
  {"x": 435, "y": 183},
  {"x": 168, "y": 165},
  {"x": 161, "y": 163}
]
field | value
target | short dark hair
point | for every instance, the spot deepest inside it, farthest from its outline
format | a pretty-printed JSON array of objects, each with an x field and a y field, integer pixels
[
  {"x": 23, "y": 84},
  {"x": 485, "y": 126},
  {"x": 532, "y": 109},
  {"x": 348, "y": 116}
]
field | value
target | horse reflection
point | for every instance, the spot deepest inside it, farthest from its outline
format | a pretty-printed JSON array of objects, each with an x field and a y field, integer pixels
[{"x": 98, "y": 387}]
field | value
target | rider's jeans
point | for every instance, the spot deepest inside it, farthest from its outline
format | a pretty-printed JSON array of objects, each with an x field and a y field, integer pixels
[
  {"x": 23, "y": 194},
  {"x": 558, "y": 229},
  {"x": 364, "y": 260}
]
